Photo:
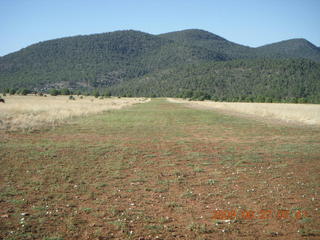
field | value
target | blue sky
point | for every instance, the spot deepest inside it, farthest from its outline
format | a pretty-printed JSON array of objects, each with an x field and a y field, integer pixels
[{"x": 249, "y": 22}]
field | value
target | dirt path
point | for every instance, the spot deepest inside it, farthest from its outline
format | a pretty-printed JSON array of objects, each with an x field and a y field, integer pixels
[{"x": 159, "y": 170}]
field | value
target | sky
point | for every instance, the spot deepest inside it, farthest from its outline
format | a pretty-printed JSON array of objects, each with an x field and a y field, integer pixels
[{"x": 249, "y": 22}]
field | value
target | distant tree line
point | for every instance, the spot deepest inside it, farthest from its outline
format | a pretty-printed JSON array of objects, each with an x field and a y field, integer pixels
[
  {"x": 66, "y": 91},
  {"x": 201, "y": 96},
  {"x": 56, "y": 92},
  {"x": 185, "y": 94}
]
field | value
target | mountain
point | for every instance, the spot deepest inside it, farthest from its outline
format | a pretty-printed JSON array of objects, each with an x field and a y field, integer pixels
[
  {"x": 136, "y": 63},
  {"x": 96, "y": 60},
  {"x": 210, "y": 41},
  {"x": 293, "y": 48},
  {"x": 253, "y": 79}
]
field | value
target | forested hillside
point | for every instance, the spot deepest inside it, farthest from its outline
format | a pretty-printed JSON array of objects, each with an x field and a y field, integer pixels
[
  {"x": 192, "y": 63},
  {"x": 212, "y": 42},
  {"x": 294, "y": 48},
  {"x": 96, "y": 60},
  {"x": 265, "y": 80}
]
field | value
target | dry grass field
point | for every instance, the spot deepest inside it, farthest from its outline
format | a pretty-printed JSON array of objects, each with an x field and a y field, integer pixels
[
  {"x": 160, "y": 171},
  {"x": 291, "y": 113},
  {"x": 30, "y": 112}
]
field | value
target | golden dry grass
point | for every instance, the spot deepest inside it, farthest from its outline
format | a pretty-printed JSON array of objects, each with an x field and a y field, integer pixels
[
  {"x": 29, "y": 112},
  {"x": 300, "y": 113}
]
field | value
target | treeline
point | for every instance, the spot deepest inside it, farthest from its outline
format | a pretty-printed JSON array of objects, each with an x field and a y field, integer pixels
[
  {"x": 201, "y": 96},
  {"x": 57, "y": 92},
  {"x": 66, "y": 91}
]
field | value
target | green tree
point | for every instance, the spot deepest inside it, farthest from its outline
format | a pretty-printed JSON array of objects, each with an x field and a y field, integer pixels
[
  {"x": 54, "y": 92},
  {"x": 65, "y": 91},
  {"x": 12, "y": 91},
  {"x": 107, "y": 93},
  {"x": 24, "y": 91},
  {"x": 96, "y": 93}
]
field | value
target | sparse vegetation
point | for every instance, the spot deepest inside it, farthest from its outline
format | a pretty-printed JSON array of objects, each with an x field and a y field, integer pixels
[{"x": 154, "y": 171}]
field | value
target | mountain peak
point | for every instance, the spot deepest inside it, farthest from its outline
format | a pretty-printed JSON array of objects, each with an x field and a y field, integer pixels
[
  {"x": 294, "y": 42},
  {"x": 296, "y": 47},
  {"x": 191, "y": 35}
]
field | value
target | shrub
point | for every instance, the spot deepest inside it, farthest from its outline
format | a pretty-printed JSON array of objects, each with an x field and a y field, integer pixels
[
  {"x": 214, "y": 98},
  {"x": 24, "y": 91},
  {"x": 201, "y": 96},
  {"x": 71, "y": 97},
  {"x": 12, "y": 91},
  {"x": 96, "y": 93},
  {"x": 186, "y": 94},
  {"x": 107, "y": 93},
  {"x": 65, "y": 91},
  {"x": 268, "y": 100},
  {"x": 78, "y": 93},
  {"x": 54, "y": 92},
  {"x": 302, "y": 100}
]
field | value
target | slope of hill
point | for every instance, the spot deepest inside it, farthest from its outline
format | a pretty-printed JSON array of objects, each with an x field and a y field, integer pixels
[
  {"x": 137, "y": 63},
  {"x": 210, "y": 41},
  {"x": 96, "y": 60},
  {"x": 253, "y": 80},
  {"x": 293, "y": 48}
]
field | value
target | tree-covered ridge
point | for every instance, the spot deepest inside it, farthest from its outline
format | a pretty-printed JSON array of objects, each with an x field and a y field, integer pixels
[
  {"x": 212, "y": 42},
  {"x": 293, "y": 48},
  {"x": 96, "y": 60},
  {"x": 251, "y": 80},
  {"x": 192, "y": 63}
]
